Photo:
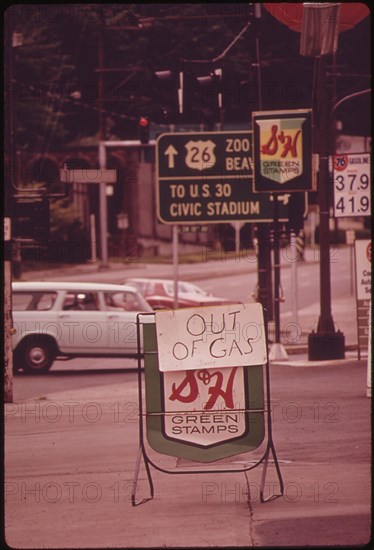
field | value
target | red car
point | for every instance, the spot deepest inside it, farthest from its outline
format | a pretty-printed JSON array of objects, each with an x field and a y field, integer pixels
[{"x": 159, "y": 293}]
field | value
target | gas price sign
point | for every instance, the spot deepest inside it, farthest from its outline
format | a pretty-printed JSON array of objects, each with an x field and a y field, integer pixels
[{"x": 352, "y": 185}]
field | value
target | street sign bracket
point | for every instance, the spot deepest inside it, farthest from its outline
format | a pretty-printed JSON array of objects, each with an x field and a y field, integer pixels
[{"x": 142, "y": 453}]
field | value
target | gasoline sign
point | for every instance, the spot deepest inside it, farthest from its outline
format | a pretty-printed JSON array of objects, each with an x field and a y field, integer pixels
[
  {"x": 282, "y": 148},
  {"x": 352, "y": 185}
]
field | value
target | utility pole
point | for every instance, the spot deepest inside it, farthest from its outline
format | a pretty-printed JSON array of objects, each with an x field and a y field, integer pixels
[
  {"x": 8, "y": 320},
  {"x": 102, "y": 158},
  {"x": 319, "y": 38},
  {"x": 8, "y": 243},
  {"x": 264, "y": 277}
]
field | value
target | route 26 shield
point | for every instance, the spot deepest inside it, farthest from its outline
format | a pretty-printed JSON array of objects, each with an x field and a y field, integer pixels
[{"x": 200, "y": 154}]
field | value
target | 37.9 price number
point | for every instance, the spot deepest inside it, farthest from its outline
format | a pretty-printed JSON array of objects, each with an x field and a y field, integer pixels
[{"x": 352, "y": 195}]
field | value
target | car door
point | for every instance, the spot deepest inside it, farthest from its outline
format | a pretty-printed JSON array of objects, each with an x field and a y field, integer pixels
[
  {"x": 83, "y": 324},
  {"x": 122, "y": 310},
  {"x": 34, "y": 313}
]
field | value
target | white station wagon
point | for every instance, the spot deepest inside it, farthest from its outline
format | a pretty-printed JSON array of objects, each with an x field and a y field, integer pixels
[{"x": 73, "y": 320}]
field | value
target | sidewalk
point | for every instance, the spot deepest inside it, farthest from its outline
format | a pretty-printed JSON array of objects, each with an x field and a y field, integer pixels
[{"x": 70, "y": 459}]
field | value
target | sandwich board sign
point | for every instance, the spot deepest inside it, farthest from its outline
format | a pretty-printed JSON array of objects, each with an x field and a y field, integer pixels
[{"x": 204, "y": 381}]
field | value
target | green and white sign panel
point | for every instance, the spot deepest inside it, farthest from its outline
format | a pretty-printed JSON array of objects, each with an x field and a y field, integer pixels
[{"x": 204, "y": 381}]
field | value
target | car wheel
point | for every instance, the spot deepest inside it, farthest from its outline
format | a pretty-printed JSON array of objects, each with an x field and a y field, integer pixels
[{"x": 35, "y": 357}]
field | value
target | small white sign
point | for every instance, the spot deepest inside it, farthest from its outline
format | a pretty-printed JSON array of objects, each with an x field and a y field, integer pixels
[
  {"x": 363, "y": 269},
  {"x": 211, "y": 337},
  {"x": 88, "y": 176},
  {"x": 7, "y": 229},
  {"x": 352, "y": 185},
  {"x": 350, "y": 236}
]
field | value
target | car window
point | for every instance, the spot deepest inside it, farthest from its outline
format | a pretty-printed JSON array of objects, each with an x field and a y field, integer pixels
[
  {"x": 81, "y": 301},
  {"x": 148, "y": 288},
  {"x": 189, "y": 287},
  {"x": 33, "y": 301},
  {"x": 169, "y": 288},
  {"x": 125, "y": 301},
  {"x": 137, "y": 284}
]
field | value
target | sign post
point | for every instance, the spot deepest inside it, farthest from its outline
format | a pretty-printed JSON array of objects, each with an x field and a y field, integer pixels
[
  {"x": 99, "y": 177},
  {"x": 204, "y": 388},
  {"x": 8, "y": 320}
]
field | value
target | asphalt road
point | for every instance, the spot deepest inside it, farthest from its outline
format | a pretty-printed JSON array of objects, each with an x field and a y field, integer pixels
[
  {"x": 79, "y": 373},
  {"x": 73, "y": 374}
]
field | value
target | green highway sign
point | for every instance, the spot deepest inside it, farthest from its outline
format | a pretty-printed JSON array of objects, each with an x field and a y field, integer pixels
[{"x": 207, "y": 178}]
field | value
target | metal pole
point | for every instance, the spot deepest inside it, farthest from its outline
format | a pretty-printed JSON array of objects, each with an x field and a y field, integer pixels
[
  {"x": 351, "y": 268},
  {"x": 325, "y": 322},
  {"x": 325, "y": 343},
  {"x": 277, "y": 351},
  {"x": 103, "y": 209},
  {"x": 313, "y": 230},
  {"x": 8, "y": 320},
  {"x": 237, "y": 240},
  {"x": 276, "y": 272},
  {"x": 93, "y": 238},
  {"x": 294, "y": 289},
  {"x": 265, "y": 280},
  {"x": 175, "y": 264}
]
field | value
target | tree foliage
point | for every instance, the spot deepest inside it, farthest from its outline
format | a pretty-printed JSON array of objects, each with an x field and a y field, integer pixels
[{"x": 56, "y": 83}]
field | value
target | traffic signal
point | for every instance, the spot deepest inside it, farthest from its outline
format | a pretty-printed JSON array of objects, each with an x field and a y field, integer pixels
[
  {"x": 296, "y": 208},
  {"x": 203, "y": 96},
  {"x": 210, "y": 88},
  {"x": 169, "y": 85},
  {"x": 31, "y": 219},
  {"x": 143, "y": 127}
]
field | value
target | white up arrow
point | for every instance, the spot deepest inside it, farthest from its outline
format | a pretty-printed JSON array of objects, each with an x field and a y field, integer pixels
[{"x": 171, "y": 152}]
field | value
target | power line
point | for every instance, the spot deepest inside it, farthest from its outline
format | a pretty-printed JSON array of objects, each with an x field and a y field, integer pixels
[{"x": 225, "y": 51}]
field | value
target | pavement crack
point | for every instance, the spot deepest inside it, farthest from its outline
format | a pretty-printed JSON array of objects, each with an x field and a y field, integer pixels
[{"x": 251, "y": 513}]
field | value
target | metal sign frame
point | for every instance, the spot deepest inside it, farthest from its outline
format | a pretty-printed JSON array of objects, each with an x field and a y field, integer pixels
[{"x": 148, "y": 462}]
